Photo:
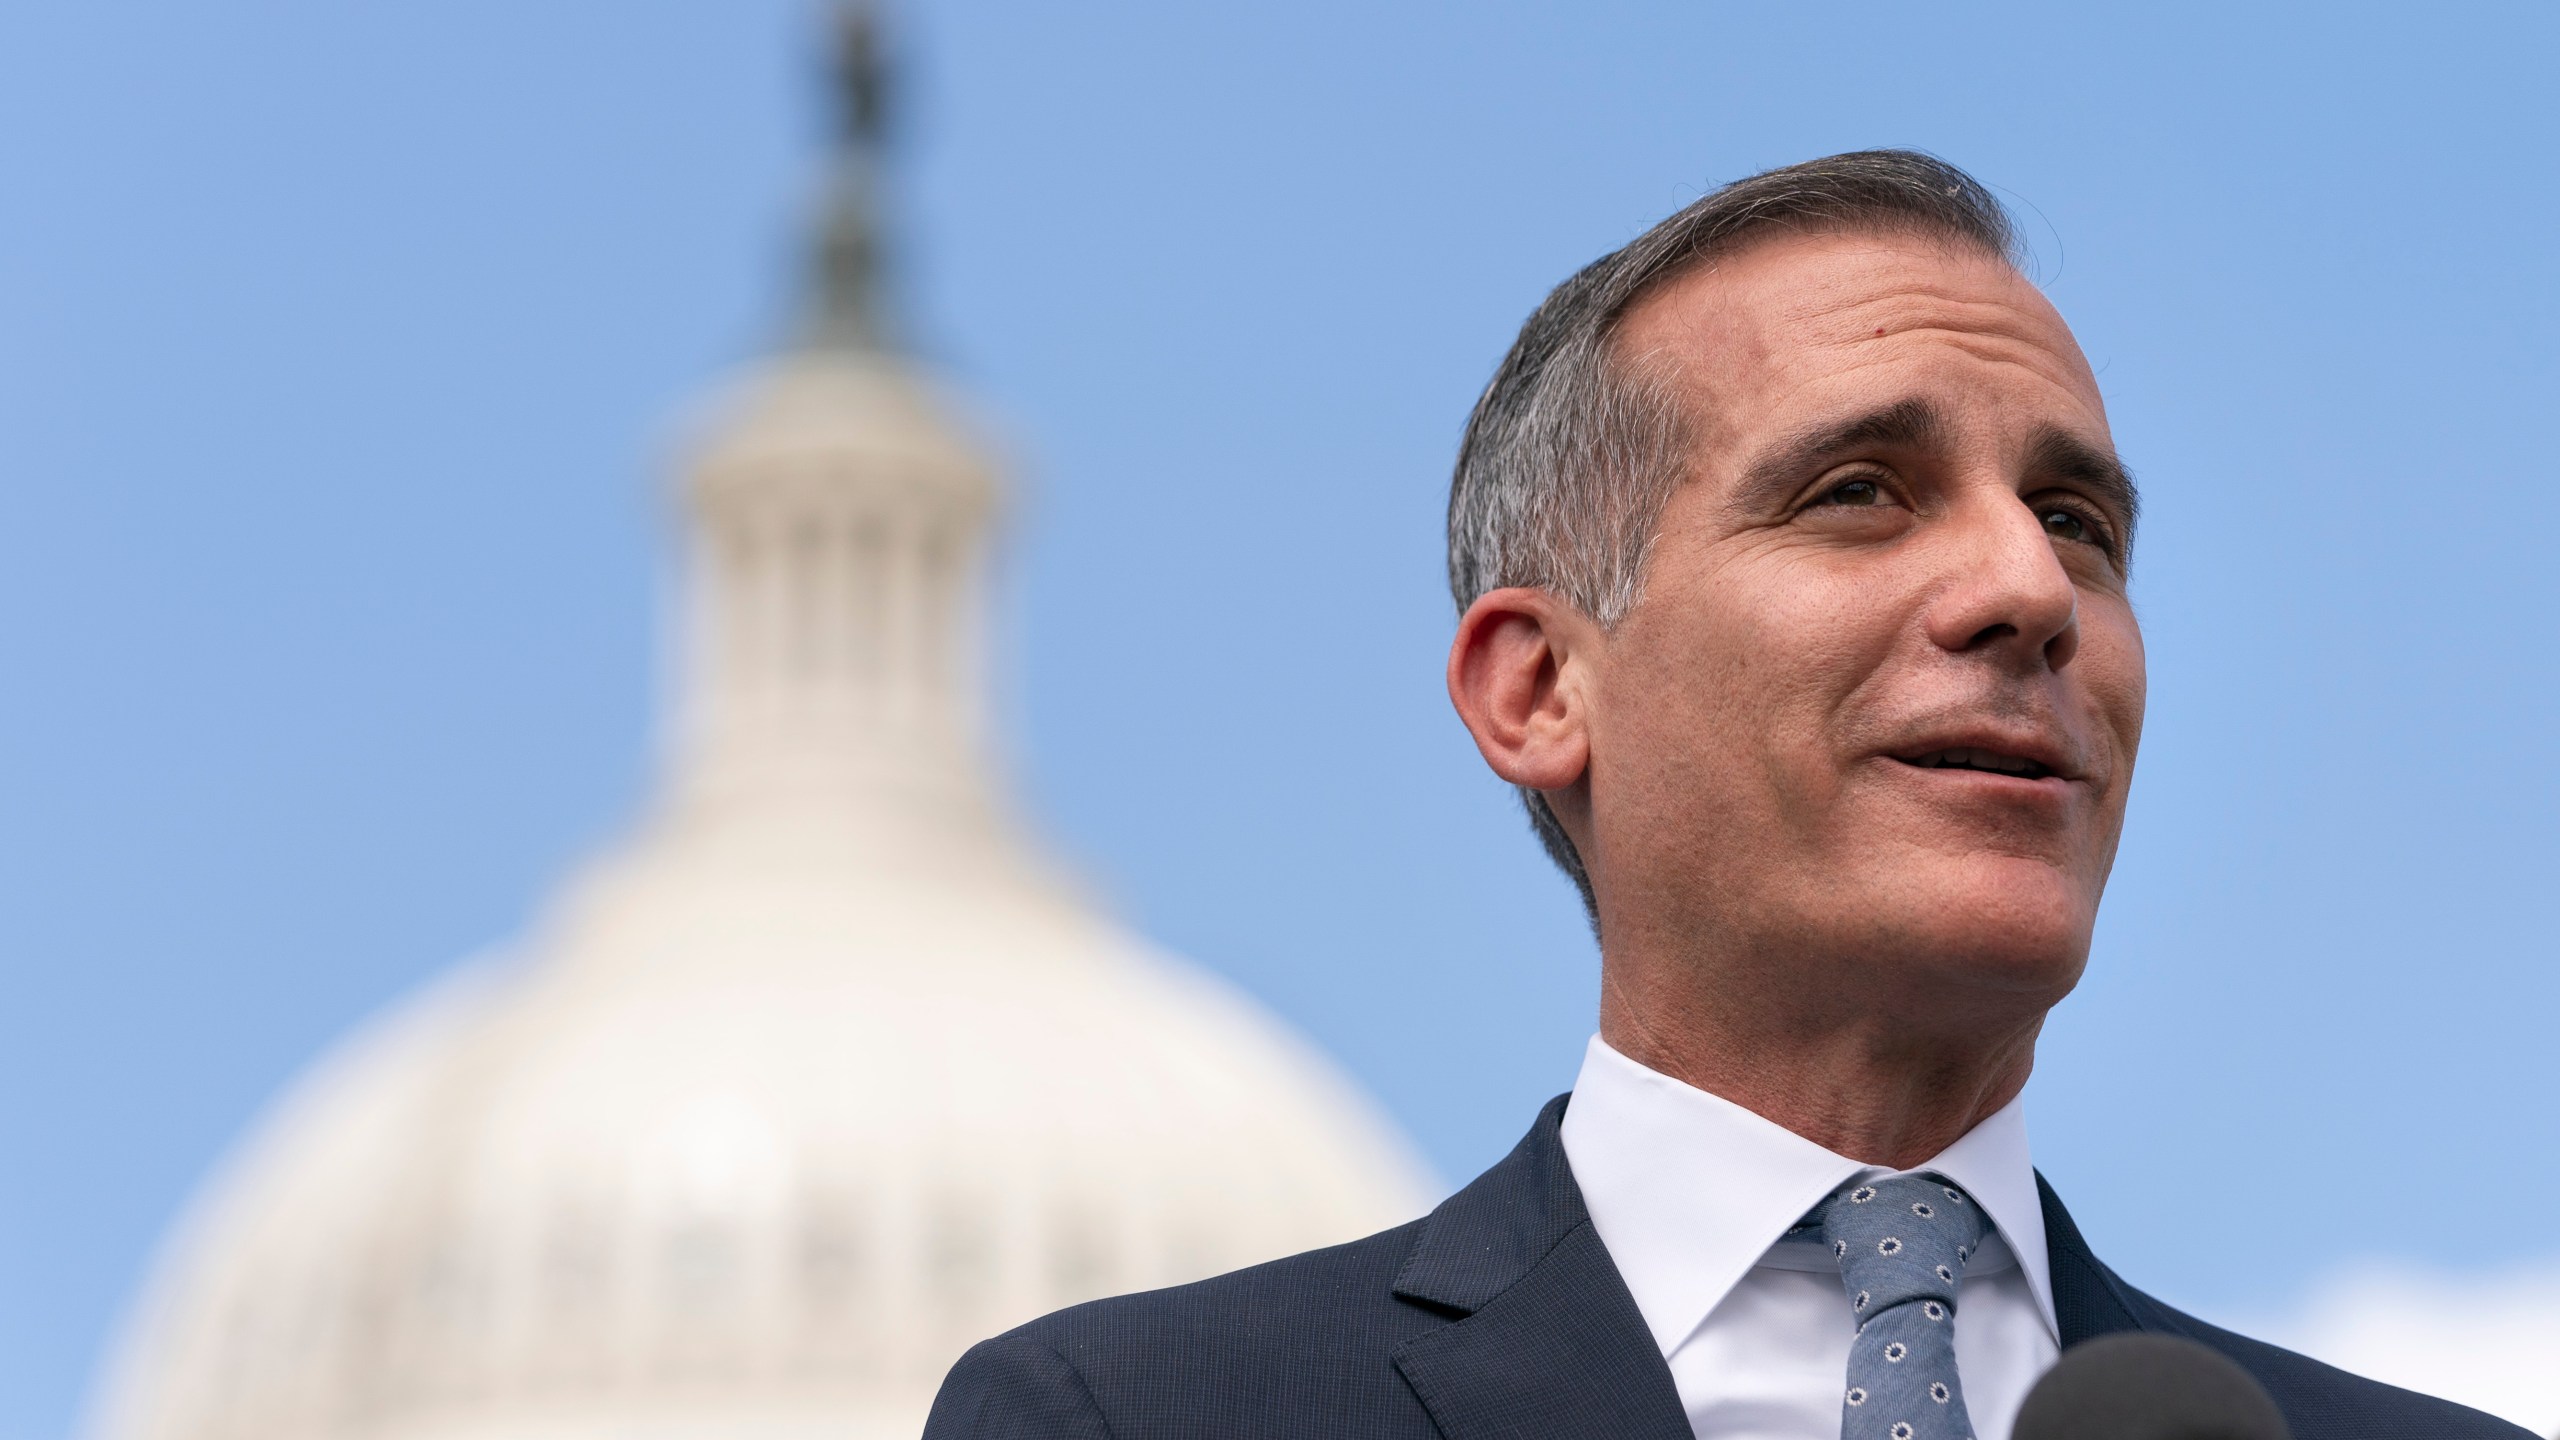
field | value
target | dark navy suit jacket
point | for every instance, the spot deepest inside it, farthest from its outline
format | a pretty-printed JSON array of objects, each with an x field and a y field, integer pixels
[{"x": 1498, "y": 1314}]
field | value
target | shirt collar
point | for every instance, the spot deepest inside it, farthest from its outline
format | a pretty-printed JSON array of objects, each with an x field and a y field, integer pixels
[{"x": 1689, "y": 1190}]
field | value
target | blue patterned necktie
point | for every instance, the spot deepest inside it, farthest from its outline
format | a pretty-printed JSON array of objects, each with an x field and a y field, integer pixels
[{"x": 1902, "y": 1242}]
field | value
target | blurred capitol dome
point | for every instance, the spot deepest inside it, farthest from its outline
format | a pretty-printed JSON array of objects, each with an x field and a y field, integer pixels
[{"x": 820, "y": 1076}]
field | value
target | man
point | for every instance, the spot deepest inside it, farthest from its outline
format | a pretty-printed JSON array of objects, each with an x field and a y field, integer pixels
[{"x": 1791, "y": 547}]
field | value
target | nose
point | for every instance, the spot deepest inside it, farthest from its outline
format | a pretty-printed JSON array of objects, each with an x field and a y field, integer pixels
[{"x": 2007, "y": 595}]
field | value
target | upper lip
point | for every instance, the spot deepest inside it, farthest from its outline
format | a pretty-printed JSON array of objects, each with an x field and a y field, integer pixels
[{"x": 2032, "y": 756}]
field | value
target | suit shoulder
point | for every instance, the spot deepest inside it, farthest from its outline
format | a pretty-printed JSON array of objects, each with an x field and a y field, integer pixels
[
  {"x": 1298, "y": 1346},
  {"x": 1014, "y": 1388},
  {"x": 1332, "y": 1289},
  {"x": 2321, "y": 1399}
]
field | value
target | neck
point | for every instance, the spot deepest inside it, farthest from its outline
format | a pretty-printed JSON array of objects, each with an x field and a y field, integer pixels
[{"x": 1891, "y": 1084}]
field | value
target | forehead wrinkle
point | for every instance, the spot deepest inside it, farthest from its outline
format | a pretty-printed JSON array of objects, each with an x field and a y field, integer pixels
[
  {"x": 1852, "y": 348},
  {"x": 1924, "y": 307},
  {"x": 1979, "y": 329},
  {"x": 1912, "y": 290},
  {"x": 1785, "y": 383}
]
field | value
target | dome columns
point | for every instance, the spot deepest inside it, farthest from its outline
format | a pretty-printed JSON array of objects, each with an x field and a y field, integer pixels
[{"x": 838, "y": 531}]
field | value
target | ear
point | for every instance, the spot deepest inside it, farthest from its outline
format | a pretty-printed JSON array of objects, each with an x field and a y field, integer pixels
[{"x": 1520, "y": 675}]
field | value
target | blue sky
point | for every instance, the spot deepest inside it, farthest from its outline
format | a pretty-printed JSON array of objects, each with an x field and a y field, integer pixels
[{"x": 340, "y": 346}]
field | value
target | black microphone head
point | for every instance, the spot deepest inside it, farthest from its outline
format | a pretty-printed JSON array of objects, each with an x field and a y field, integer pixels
[{"x": 2147, "y": 1387}]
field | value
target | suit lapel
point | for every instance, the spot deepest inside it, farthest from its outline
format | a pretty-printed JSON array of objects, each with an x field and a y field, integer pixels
[
  {"x": 1545, "y": 1341},
  {"x": 2088, "y": 1299}
]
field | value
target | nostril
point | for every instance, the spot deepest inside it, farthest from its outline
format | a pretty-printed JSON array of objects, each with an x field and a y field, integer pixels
[{"x": 1991, "y": 635}]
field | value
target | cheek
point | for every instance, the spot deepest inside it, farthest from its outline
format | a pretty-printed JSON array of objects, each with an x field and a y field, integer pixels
[
  {"x": 1758, "y": 665},
  {"x": 1809, "y": 643},
  {"x": 2117, "y": 676}
]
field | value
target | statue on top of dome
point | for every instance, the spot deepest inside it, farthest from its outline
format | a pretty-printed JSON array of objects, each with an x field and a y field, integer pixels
[{"x": 849, "y": 306}]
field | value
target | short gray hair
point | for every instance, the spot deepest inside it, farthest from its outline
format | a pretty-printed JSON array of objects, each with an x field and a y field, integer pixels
[{"x": 1571, "y": 454}]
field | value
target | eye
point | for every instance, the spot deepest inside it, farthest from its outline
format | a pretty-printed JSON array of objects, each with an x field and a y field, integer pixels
[
  {"x": 1852, "y": 492},
  {"x": 2063, "y": 522}
]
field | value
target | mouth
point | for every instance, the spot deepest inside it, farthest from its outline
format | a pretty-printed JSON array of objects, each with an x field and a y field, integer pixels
[{"x": 1989, "y": 762}]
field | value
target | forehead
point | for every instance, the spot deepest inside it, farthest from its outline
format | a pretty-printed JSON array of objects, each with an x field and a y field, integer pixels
[{"x": 1801, "y": 324}]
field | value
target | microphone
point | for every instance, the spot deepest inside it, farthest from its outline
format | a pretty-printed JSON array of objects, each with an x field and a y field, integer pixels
[{"x": 2133, "y": 1386}]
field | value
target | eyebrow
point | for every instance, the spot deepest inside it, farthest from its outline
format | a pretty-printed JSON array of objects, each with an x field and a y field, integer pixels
[{"x": 1905, "y": 424}]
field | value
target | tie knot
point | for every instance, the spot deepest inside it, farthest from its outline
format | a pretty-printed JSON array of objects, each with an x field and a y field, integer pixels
[{"x": 1901, "y": 1238}]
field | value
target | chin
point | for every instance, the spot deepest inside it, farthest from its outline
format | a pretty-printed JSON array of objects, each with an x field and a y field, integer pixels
[{"x": 2003, "y": 923}]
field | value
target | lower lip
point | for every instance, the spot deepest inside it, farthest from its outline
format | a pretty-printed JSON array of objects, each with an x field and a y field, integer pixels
[{"x": 1990, "y": 782}]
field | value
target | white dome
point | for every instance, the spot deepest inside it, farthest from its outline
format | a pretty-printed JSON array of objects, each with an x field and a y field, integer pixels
[{"x": 820, "y": 1078}]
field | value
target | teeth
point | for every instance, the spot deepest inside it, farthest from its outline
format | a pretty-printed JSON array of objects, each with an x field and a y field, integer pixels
[{"x": 1968, "y": 759}]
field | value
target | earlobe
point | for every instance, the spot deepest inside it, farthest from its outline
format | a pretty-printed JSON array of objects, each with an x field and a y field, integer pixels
[{"x": 1518, "y": 672}]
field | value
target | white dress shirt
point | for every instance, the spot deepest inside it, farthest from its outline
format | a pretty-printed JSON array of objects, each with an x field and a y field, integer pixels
[{"x": 1691, "y": 1192}]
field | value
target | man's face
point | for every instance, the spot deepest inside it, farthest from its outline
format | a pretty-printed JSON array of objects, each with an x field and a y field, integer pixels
[{"x": 1880, "y": 694}]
